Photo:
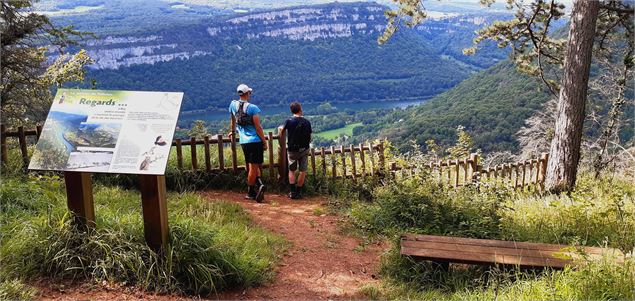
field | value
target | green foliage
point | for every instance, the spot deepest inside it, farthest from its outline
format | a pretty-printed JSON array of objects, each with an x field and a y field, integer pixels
[
  {"x": 323, "y": 68},
  {"x": 16, "y": 289},
  {"x": 464, "y": 144},
  {"x": 212, "y": 244},
  {"x": 492, "y": 106},
  {"x": 25, "y": 89},
  {"x": 599, "y": 211},
  {"x": 423, "y": 206},
  {"x": 198, "y": 129}
]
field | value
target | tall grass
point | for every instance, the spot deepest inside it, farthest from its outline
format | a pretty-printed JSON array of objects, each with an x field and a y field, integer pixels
[
  {"x": 213, "y": 245},
  {"x": 600, "y": 212},
  {"x": 597, "y": 280}
]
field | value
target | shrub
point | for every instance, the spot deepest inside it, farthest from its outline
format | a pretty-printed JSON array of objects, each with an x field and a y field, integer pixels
[{"x": 423, "y": 206}]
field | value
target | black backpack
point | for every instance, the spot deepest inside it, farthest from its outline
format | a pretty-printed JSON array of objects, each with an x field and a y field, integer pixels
[
  {"x": 301, "y": 135},
  {"x": 242, "y": 118}
]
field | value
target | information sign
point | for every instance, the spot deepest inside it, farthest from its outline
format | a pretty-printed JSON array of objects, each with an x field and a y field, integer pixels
[{"x": 108, "y": 132}]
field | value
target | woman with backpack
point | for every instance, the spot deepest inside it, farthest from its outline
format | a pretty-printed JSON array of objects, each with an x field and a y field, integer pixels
[{"x": 245, "y": 117}]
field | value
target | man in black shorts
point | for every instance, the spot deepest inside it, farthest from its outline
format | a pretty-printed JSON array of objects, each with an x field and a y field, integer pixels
[
  {"x": 245, "y": 116},
  {"x": 298, "y": 139}
]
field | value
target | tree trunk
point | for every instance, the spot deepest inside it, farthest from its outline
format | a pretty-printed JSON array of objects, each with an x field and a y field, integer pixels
[{"x": 564, "y": 154}]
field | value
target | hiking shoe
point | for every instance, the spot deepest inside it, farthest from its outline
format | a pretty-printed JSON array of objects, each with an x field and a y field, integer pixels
[
  {"x": 260, "y": 196},
  {"x": 251, "y": 193}
]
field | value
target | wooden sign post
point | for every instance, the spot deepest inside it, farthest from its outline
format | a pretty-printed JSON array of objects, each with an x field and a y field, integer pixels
[
  {"x": 79, "y": 194},
  {"x": 155, "y": 210}
]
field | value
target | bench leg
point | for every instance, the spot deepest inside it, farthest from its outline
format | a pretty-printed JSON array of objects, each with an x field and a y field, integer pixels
[{"x": 444, "y": 266}]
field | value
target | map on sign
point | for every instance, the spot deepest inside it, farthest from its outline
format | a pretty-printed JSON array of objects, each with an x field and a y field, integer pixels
[{"x": 108, "y": 131}]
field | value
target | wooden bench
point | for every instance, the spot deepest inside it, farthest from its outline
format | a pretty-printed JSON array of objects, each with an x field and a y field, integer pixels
[{"x": 443, "y": 250}]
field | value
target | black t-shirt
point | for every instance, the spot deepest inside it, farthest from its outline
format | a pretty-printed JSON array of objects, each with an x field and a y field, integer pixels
[{"x": 298, "y": 133}]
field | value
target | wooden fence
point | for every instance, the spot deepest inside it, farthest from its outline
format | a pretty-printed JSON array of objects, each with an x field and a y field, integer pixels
[
  {"x": 528, "y": 174},
  {"x": 354, "y": 161},
  {"x": 334, "y": 162}
]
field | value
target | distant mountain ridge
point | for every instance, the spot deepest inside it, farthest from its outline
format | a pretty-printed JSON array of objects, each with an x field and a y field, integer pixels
[{"x": 313, "y": 53}]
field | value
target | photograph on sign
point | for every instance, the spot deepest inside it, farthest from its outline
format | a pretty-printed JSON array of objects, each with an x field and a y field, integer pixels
[{"x": 108, "y": 131}]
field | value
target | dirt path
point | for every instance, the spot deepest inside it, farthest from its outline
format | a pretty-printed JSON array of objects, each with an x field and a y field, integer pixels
[{"x": 322, "y": 263}]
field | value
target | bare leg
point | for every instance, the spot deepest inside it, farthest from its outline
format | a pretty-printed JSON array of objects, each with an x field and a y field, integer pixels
[
  {"x": 291, "y": 177},
  {"x": 252, "y": 174},
  {"x": 301, "y": 178}
]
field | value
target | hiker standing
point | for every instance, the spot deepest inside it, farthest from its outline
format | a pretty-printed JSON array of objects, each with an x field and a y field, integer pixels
[
  {"x": 245, "y": 117},
  {"x": 298, "y": 138}
]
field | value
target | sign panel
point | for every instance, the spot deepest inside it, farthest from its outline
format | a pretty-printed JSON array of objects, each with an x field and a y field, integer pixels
[{"x": 108, "y": 131}]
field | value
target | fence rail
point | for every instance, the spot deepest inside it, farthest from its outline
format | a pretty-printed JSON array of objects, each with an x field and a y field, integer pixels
[{"x": 219, "y": 154}]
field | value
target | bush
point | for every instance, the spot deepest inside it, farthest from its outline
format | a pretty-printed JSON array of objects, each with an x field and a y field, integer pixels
[
  {"x": 419, "y": 205},
  {"x": 213, "y": 245}
]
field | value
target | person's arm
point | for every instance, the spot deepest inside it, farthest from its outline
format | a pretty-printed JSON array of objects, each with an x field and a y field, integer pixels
[
  {"x": 259, "y": 131},
  {"x": 232, "y": 127},
  {"x": 282, "y": 128}
]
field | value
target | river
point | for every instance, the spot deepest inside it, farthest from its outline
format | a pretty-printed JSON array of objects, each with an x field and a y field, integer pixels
[{"x": 212, "y": 116}]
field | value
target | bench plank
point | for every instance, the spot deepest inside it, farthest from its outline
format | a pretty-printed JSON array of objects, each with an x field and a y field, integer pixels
[
  {"x": 483, "y": 258},
  {"x": 496, "y": 243},
  {"x": 487, "y": 251},
  {"x": 480, "y": 249}
]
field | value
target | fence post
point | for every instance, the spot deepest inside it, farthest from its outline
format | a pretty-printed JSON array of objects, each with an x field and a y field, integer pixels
[
  {"x": 23, "y": 149},
  {"x": 475, "y": 171},
  {"x": 323, "y": 155},
  {"x": 3, "y": 143},
  {"x": 544, "y": 159},
  {"x": 362, "y": 158},
  {"x": 208, "y": 163},
  {"x": 353, "y": 165},
  {"x": 382, "y": 159},
  {"x": 343, "y": 162},
  {"x": 272, "y": 173},
  {"x": 333, "y": 163},
  {"x": 193, "y": 153},
  {"x": 179, "y": 154},
  {"x": 221, "y": 152},
  {"x": 371, "y": 155},
  {"x": 393, "y": 170},
  {"x": 282, "y": 160}
]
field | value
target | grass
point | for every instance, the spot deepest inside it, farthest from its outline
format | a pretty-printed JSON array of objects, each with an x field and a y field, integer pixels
[
  {"x": 333, "y": 134},
  {"x": 600, "y": 212},
  {"x": 603, "y": 280},
  {"x": 214, "y": 245}
]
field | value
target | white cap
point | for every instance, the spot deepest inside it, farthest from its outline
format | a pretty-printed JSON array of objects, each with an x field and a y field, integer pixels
[{"x": 242, "y": 89}]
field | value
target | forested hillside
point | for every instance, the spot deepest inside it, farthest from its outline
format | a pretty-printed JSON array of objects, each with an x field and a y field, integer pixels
[{"x": 492, "y": 105}]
